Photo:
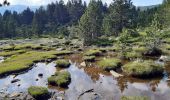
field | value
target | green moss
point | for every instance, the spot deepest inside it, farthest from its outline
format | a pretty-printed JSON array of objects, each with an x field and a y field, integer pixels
[
  {"x": 38, "y": 92},
  {"x": 92, "y": 52},
  {"x": 61, "y": 79},
  {"x": 143, "y": 68},
  {"x": 10, "y": 53},
  {"x": 89, "y": 58},
  {"x": 23, "y": 61},
  {"x": 109, "y": 64},
  {"x": 63, "y": 63},
  {"x": 134, "y": 98}
]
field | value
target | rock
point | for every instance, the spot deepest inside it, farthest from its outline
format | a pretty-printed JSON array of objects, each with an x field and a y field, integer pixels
[
  {"x": 60, "y": 49},
  {"x": 164, "y": 58},
  {"x": 3, "y": 95},
  {"x": 15, "y": 80},
  {"x": 15, "y": 94},
  {"x": 40, "y": 75},
  {"x": 83, "y": 64},
  {"x": 115, "y": 74}
]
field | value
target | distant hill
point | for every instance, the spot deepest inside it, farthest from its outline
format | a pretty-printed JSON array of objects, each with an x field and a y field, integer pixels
[
  {"x": 18, "y": 8},
  {"x": 147, "y": 7}
]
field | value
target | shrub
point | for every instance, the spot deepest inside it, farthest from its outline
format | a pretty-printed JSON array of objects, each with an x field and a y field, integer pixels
[
  {"x": 63, "y": 63},
  {"x": 61, "y": 79},
  {"x": 109, "y": 64},
  {"x": 38, "y": 92},
  {"x": 143, "y": 68},
  {"x": 153, "y": 52}
]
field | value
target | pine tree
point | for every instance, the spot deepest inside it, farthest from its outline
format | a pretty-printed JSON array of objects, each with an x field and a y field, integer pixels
[
  {"x": 121, "y": 15},
  {"x": 39, "y": 21},
  {"x": 26, "y": 17},
  {"x": 90, "y": 23}
]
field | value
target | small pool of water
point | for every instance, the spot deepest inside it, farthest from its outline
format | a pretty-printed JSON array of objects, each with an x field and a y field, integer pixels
[
  {"x": 27, "y": 79},
  {"x": 109, "y": 88}
]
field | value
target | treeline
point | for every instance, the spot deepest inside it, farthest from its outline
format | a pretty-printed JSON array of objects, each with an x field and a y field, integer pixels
[
  {"x": 75, "y": 18},
  {"x": 56, "y": 17}
]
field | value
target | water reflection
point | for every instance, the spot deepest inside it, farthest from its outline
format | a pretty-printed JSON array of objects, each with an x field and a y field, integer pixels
[
  {"x": 91, "y": 83},
  {"x": 28, "y": 79}
]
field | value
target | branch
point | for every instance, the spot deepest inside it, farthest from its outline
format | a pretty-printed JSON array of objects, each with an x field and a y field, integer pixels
[{"x": 5, "y": 3}]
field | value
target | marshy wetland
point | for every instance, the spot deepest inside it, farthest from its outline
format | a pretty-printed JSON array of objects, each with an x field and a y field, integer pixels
[{"x": 67, "y": 70}]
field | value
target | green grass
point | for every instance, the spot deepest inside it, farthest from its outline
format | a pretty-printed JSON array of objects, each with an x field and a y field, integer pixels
[
  {"x": 61, "y": 79},
  {"x": 23, "y": 61},
  {"x": 139, "y": 49},
  {"x": 134, "y": 98},
  {"x": 143, "y": 68},
  {"x": 132, "y": 55},
  {"x": 92, "y": 52},
  {"x": 62, "y": 63},
  {"x": 8, "y": 48},
  {"x": 32, "y": 47},
  {"x": 167, "y": 40},
  {"x": 109, "y": 64},
  {"x": 64, "y": 52},
  {"x": 38, "y": 92},
  {"x": 167, "y": 46},
  {"x": 10, "y": 53},
  {"x": 89, "y": 58}
]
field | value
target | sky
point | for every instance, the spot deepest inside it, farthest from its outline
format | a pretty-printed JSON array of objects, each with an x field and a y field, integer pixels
[{"x": 44, "y": 2}]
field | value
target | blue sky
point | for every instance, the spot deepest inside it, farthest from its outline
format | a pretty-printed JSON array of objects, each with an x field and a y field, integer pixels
[
  {"x": 44, "y": 2},
  {"x": 146, "y": 2}
]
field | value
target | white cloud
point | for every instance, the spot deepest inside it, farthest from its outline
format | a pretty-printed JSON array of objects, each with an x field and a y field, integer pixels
[{"x": 30, "y": 2}]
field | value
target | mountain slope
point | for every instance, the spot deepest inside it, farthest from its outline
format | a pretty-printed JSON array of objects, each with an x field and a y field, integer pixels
[{"x": 142, "y": 8}]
